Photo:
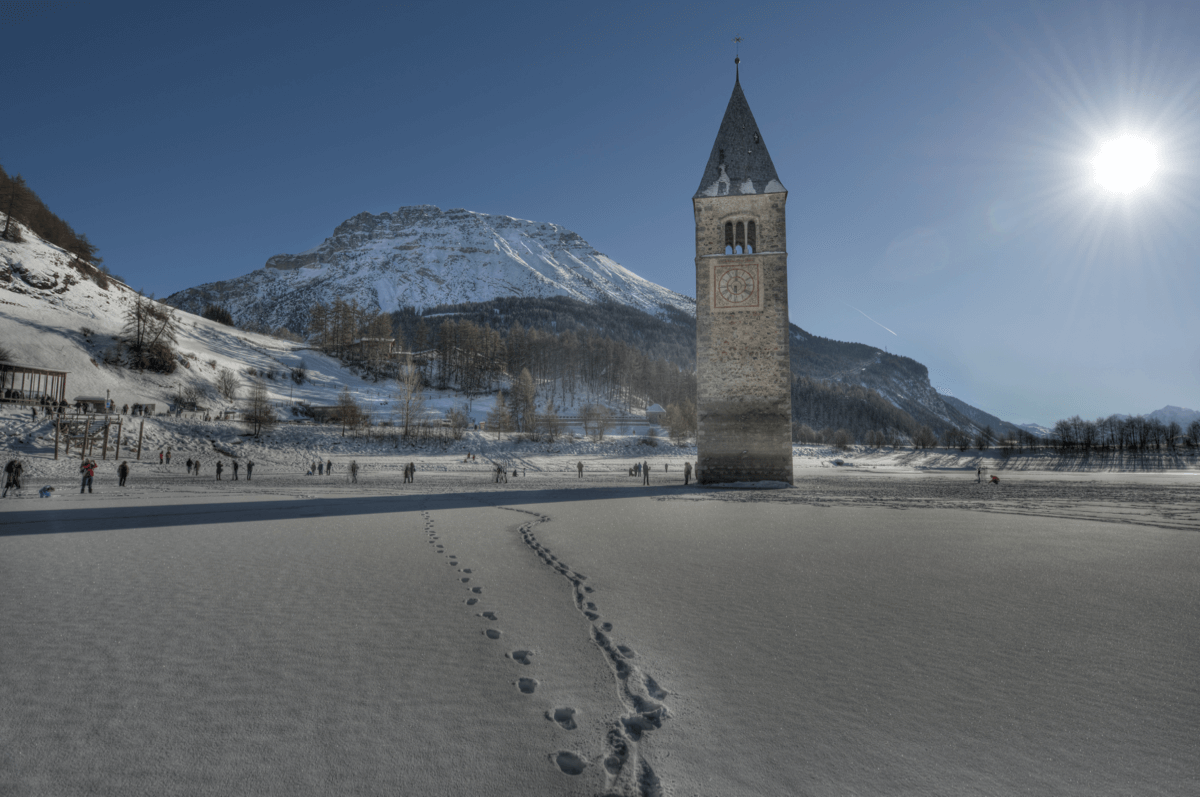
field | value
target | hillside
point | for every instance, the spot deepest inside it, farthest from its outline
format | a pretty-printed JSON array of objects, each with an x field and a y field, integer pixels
[{"x": 54, "y": 315}]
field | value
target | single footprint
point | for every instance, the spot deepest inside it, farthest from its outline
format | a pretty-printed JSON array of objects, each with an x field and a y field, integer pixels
[
  {"x": 606, "y": 627},
  {"x": 467, "y": 570},
  {"x": 472, "y": 601},
  {"x": 626, "y": 651},
  {"x": 489, "y": 615},
  {"x": 564, "y": 717},
  {"x": 527, "y": 685},
  {"x": 591, "y": 606},
  {"x": 588, "y": 589},
  {"x": 492, "y": 633},
  {"x": 477, "y": 590},
  {"x": 465, "y": 580},
  {"x": 522, "y": 656},
  {"x": 591, "y": 616},
  {"x": 569, "y": 763}
]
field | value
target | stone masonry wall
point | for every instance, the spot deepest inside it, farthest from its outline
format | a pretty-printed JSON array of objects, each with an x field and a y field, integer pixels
[{"x": 742, "y": 360}]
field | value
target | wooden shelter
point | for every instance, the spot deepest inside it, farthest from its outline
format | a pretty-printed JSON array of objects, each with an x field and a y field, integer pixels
[{"x": 30, "y": 385}]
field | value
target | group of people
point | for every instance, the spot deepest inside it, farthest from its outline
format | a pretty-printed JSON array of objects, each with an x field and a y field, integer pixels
[
  {"x": 320, "y": 468},
  {"x": 410, "y": 471},
  {"x": 193, "y": 467}
]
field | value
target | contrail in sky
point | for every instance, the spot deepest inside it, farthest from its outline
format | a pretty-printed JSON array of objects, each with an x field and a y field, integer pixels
[{"x": 872, "y": 320}]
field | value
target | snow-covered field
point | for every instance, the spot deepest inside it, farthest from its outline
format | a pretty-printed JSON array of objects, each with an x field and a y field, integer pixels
[{"x": 881, "y": 628}]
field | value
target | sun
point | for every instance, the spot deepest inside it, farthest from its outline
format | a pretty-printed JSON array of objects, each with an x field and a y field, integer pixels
[{"x": 1125, "y": 164}]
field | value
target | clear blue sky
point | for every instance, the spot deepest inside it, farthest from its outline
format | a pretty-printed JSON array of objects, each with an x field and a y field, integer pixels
[{"x": 937, "y": 156}]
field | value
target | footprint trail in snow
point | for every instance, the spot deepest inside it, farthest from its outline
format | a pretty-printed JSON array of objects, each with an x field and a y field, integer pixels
[{"x": 627, "y": 772}]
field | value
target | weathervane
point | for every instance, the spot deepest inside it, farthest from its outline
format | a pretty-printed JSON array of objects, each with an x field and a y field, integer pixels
[{"x": 737, "y": 57}]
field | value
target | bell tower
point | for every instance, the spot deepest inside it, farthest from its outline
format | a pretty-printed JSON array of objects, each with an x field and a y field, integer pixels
[{"x": 743, "y": 364}]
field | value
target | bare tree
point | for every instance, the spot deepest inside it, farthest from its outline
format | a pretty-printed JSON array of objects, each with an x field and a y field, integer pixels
[
  {"x": 258, "y": 414},
  {"x": 549, "y": 423},
  {"x": 924, "y": 438},
  {"x": 597, "y": 419},
  {"x": 150, "y": 330},
  {"x": 410, "y": 395},
  {"x": 524, "y": 403},
  {"x": 348, "y": 411},
  {"x": 499, "y": 419},
  {"x": 227, "y": 384}
]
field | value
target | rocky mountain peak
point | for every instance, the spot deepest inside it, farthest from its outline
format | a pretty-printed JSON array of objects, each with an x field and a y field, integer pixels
[{"x": 424, "y": 256}]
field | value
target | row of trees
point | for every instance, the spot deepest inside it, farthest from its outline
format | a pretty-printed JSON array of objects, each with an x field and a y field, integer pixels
[
  {"x": 354, "y": 334},
  {"x": 19, "y": 203},
  {"x": 1116, "y": 433}
]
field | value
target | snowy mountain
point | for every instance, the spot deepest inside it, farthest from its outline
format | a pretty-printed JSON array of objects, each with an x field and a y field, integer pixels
[
  {"x": 1180, "y": 415},
  {"x": 423, "y": 256}
]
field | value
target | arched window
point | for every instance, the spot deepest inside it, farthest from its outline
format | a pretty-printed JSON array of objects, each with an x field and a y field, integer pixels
[
  {"x": 751, "y": 237},
  {"x": 739, "y": 243},
  {"x": 729, "y": 237}
]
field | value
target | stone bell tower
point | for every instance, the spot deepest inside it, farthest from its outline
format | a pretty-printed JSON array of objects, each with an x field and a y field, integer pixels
[{"x": 743, "y": 365}]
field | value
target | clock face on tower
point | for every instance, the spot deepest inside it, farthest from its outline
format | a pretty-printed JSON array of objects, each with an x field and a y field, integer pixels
[{"x": 737, "y": 286}]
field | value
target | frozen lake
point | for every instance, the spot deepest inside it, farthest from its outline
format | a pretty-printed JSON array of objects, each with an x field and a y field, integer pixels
[{"x": 858, "y": 634}]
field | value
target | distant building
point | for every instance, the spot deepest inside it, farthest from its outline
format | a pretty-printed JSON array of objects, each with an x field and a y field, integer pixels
[{"x": 655, "y": 414}]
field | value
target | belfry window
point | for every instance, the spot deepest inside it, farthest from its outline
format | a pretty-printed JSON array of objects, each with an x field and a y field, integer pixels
[
  {"x": 729, "y": 237},
  {"x": 739, "y": 243},
  {"x": 751, "y": 237}
]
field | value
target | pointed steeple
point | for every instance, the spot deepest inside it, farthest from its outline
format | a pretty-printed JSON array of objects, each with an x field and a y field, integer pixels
[{"x": 739, "y": 163}]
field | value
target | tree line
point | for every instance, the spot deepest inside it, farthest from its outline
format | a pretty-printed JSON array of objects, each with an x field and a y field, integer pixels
[
  {"x": 19, "y": 203},
  {"x": 1075, "y": 435}
]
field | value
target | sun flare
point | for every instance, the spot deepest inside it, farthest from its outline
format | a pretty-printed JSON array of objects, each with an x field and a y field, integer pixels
[{"x": 1125, "y": 164}]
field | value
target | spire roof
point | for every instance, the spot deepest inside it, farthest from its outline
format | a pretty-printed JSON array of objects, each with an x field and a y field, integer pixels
[{"x": 739, "y": 163}]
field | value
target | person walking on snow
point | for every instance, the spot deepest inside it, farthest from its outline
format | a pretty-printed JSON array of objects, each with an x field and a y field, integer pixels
[
  {"x": 320, "y": 468},
  {"x": 12, "y": 476},
  {"x": 122, "y": 473},
  {"x": 329, "y": 467},
  {"x": 645, "y": 472},
  {"x": 88, "y": 469},
  {"x": 687, "y": 473},
  {"x": 412, "y": 471},
  {"x": 160, "y": 458},
  {"x": 168, "y": 456},
  {"x": 189, "y": 466},
  {"x": 235, "y": 470},
  {"x": 579, "y": 467},
  {"x": 220, "y": 467},
  {"x": 354, "y": 471},
  {"x": 249, "y": 469}
]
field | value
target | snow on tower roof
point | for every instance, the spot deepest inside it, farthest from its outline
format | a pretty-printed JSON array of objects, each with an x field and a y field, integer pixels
[{"x": 739, "y": 163}]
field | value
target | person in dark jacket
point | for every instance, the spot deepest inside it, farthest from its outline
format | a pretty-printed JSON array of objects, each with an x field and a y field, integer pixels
[
  {"x": 220, "y": 467},
  {"x": 235, "y": 470},
  {"x": 645, "y": 472},
  {"x": 12, "y": 476},
  {"x": 249, "y": 469},
  {"x": 687, "y": 472},
  {"x": 189, "y": 466},
  {"x": 122, "y": 473},
  {"x": 88, "y": 470}
]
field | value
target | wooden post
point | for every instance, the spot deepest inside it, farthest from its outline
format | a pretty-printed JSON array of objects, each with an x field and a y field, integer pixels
[
  {"x": 141, "y": 427},
  {"x": 117, "y": 447},
  {"x": 104, "y": 450},
  {"x": 56, "y": 436},
  {"x": 83, "y": 444}
]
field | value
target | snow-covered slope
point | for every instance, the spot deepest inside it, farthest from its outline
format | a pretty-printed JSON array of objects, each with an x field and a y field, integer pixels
[
  {"x": 423, "y": 256},
  {"x": 54, "y": 316}
]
